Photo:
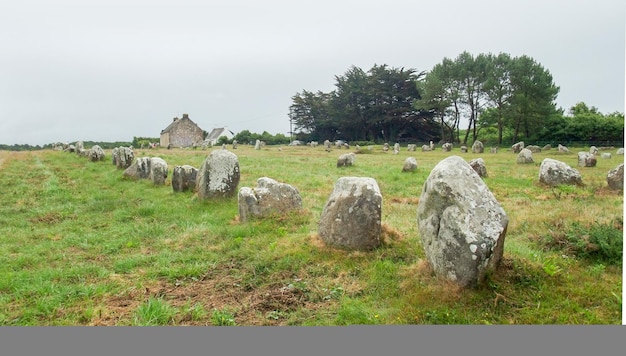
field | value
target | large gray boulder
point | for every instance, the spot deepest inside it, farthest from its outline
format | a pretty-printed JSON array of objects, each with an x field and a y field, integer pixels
[
  {"x": 346, "y": 160},
  {"x": 139, "y": 170},
  {"x": 410, "y": 164},
  {"x": 158, "y": 170},
  {"x": 268, "y": 198},
  {"x": 352, "y": 214},
  {"x": 525, "y": 156},
  {"x": 586, "y": 159},
  {"x": 555, "y": 173},
  {"x": 123, "y": 157},
  {"x": 615, "y": 177},
  {"x": 184, "y": 178},
  {"x": 478, "y": 165},
  {"x": 518, "y": 147},
  {"x": 563, "y": 149},
  {"x": 96, "y": 153},
  {"x": 218, "y": 175},
  {"x": 461, "y": 224},
  {"x": 478, "y": 147}
]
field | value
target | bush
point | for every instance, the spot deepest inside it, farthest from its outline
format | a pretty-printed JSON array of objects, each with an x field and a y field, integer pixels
[{"x": 596, "y": 242}]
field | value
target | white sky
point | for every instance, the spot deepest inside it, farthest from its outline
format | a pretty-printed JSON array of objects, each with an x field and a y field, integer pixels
[{"x": 110, "y": 70}]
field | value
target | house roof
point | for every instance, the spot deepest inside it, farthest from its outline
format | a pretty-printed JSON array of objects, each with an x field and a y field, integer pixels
[
  {"x": 177, "y": 121},
  {"x": 217, "y": 133}
]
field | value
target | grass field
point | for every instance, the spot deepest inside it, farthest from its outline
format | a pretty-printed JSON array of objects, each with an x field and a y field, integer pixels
[{"x": 81, "y": 245}]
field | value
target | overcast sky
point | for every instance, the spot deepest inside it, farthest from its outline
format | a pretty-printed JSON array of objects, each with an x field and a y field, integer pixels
[{"x": 111, "y": 70}]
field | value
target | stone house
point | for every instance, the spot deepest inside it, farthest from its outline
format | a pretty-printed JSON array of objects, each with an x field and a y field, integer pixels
[
  {"x": 214, "y": 135},
  {"x": 182, "y": 133}
]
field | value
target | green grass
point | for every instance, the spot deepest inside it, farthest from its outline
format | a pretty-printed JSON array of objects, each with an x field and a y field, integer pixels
[{"x": 81, "y": 245}]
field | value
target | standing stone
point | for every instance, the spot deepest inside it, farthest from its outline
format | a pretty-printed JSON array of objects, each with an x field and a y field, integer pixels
[
  {"x": 478, "y": 165},
  {"x": 410, "y": 164},
  {"x": 80, "y": 148},
  {"x": 586, "y": 159},
  {"x": 494, "y": 150},
  {"x": 615, "y": 177},
  {"x": 411, "y": 147},
  {"x": 257, "y": 145},
  {"x": 184, "y": 178},
  {"x": 518, "y": 147},
  {"x": 546, "y": 147},
  {"x": 327, "y": 145},
  {"x": 461, "y": 224},
  {"x": 218, "y": 175},
  {"x": 96, "y": 153},
  {"x": 268, "y": 198},
  {"x": 234, "y": 144},
  {"x": 123, "y": 157},
  {"x": 158, "y": 170},
  {"x": 426, "y": 148},
  {"x": 346, "y": 160},
  {"x": 606, "y": 155},
  {"x": 554, "y": 173},
  {"x": 114, "y": 156},
  {"x": 447, "y": 147},
  {"x": 140, "y": 169},
  {"x": 351, "y": 216},
  {"x": 593, "y": 150},
  {"x": 563, "y": 149},
  {"x": 463, "y": 149},
  {"x": 396, "y": 148},
  {"x": 386, "y": 147},
  {"x": 478, "y": 147},
  {"x": 620, "y": 151},
  {"x": 534, "y": 148},
  {"x": 525, "y": 156}
]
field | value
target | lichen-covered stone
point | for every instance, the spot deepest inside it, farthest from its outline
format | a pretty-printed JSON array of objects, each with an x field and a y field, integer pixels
[
  {"x": 586, "y": 159},
  {"x": 478, "y": 165},
  {"x": 461, "y": 224},
  {"x": 268, "y": 198},
  {"x": 184, "y": 178},
  {"x": 218, "y": 175},
  {"x": 525, "y": 156},
  {"x": 615, "y": 177},
  {"x": 96, "y": 153},
  {"x": 478, "y": 147},
  {"x": 351, "y": 216},
  {"x": 140, "y": 169},
  {"x": 346, "y": 160},
  {"x": 158, "y": 170},
  {"x": 554, "y": 173},
  {"x": 410, "y": 164}
]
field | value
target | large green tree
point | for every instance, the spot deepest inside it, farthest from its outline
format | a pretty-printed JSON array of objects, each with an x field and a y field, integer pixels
[{"x": 365, "y": 106}]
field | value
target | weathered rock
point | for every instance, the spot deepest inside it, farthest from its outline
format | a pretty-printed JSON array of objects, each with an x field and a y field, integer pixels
[
  {"x": 461, "y": 224},
  {"x": 346, "y": 160},
  {"x": 534, "y": 148},
  {"x": 546, "y": 147},
  {"x": 606, "y": 155},
  {"x": 554, "y": 173},
  {"x": 620, "y": 151},
  {"x": 386, "y": 147},
  {"x": 426, "y": 148},
  {"x": 257, "y": 145},
  {"x": 80, "y": 148},
  {"x": 464, "y": 149},
  {"x": 478, "y": 147},
  {"x": 586, "y": 159},
  {"x": 447, "y": 147},
  {"x": 351, "y": 216},
  {"x": 410, "y": 164},
  {"x": 518, "y": 147},
  {"x": 218, "y": 175},
  {"x": 123, "y": 157},
  {"x": 615, "y": 177},
  {"x": 478, "y": 165},
  {"x": 96, "y": 153},
  {"x": 411, "y": 147},
  {"x": 563, "y": 149},
  {"x": 158, "y": 170},
  {"x": 268, "y": 198},
  {"x": 494, "y": 150},
  {"x": 396, "y": 147},
  {"x": 593, "y": 150},
  {"x": 140, "y": 169},
  {"x": 525, "y": 156},
  {"x": 184, "y": 178}
]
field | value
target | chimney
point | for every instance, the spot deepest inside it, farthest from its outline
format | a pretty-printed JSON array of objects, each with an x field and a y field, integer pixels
[
  {"x": 175, "y": 119},
  {"x": 185, "y": 116}
]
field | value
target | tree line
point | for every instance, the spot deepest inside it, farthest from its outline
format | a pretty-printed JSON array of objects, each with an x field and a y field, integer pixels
[{"x": 500, "y": 98}]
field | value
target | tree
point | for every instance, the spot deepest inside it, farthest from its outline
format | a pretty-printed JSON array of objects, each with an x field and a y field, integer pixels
[{"x": 499, "y": 91}]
